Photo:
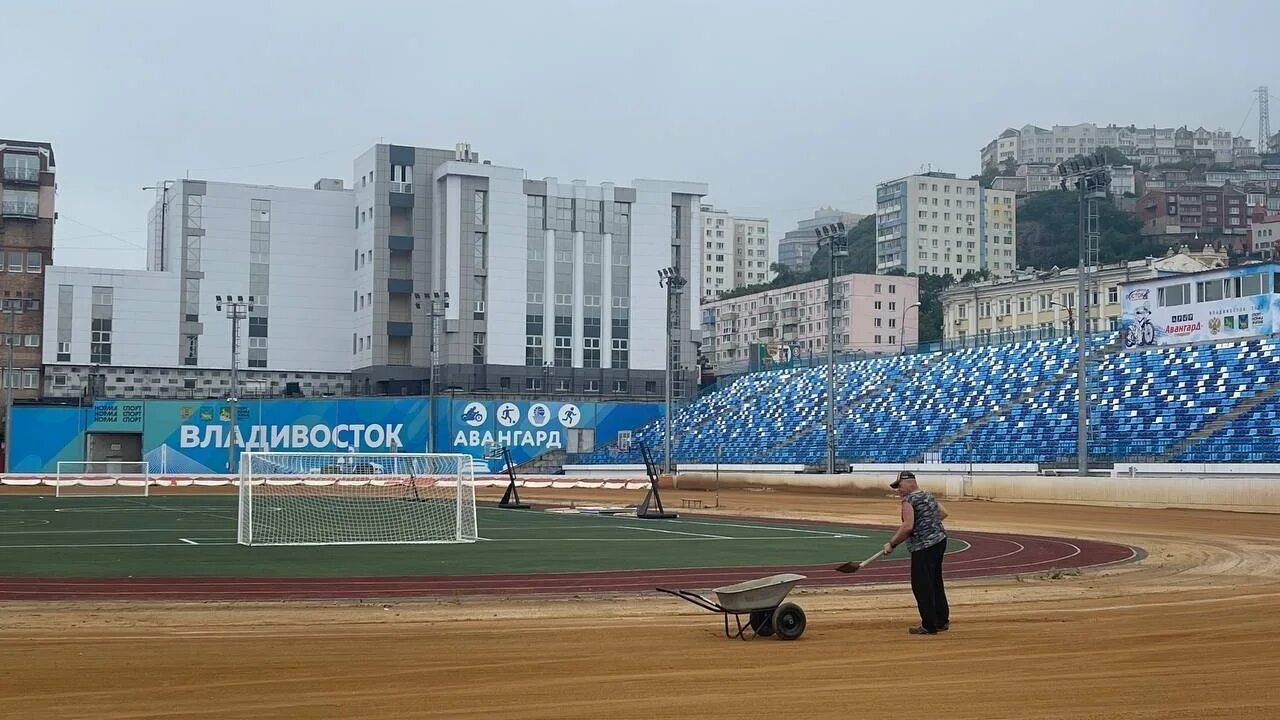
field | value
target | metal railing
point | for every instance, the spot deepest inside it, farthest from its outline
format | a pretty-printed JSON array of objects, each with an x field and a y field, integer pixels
[
  {"x": 19, "y": 208},
  {"x": 21, "y": 174}
]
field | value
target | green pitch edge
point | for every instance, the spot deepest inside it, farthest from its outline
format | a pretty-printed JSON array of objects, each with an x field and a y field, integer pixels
[{"x": 153, "y": 537}]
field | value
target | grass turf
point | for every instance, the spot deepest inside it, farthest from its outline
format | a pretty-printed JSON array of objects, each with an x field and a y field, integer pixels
[{"x": 194, "y": 535}]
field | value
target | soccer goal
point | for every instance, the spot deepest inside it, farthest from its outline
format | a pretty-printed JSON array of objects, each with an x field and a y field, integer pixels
[
  {"x": 102, "y": 478},
  {"x": 355, "y": 498}
]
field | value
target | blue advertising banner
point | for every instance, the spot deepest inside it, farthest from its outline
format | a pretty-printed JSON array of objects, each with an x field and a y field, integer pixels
[
  {"x": 117, "y": 416},
  {"x": 193, "y": 437}
]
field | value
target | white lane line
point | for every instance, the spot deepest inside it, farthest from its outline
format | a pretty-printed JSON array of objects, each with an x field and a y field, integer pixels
[
  {"x": 95, "y": 532},
  {"x": 678, "y": 532}
]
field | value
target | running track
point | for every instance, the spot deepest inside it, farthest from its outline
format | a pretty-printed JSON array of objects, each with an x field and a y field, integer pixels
[{"x": 988, "y": 555}]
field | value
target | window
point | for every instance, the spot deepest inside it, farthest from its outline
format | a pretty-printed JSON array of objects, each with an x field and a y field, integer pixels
[
  {"x": 620, "y": 352},
  {"x": 620, "y": 386},
  {"x": 64, "y": 352},
  {"x": 1174, "y": 295},
  {"x": 479, "y": 244},
  {"x": 478, "y": 199},
  {"x": 878, "y": 340},
  {"x": 477, "y": 348},
  {"x": 591, "y": 386},
  {"x": 33, "y": 262},
  {"x": 1208, "y": 291},
  {"x": 15, "y": 261},
  {"x": 893, "y": 289},
  {"x": 534, "y": 298}
]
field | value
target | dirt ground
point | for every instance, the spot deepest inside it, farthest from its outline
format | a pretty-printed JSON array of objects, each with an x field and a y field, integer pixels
[{"x": 1189, "y": 632}]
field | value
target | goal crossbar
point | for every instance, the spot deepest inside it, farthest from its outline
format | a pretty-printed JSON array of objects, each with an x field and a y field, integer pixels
[
  {"x": 355, "y": 498},
  {"x": 103, "y": 478}
]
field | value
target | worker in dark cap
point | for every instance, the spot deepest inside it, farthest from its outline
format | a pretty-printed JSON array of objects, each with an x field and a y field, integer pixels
[{"x": 922, "y": 530}]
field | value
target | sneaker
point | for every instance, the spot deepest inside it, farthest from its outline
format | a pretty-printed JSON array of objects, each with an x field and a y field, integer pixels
[
  {"x": 944, "y": 627},
  {"x": 919, "y": 630}
]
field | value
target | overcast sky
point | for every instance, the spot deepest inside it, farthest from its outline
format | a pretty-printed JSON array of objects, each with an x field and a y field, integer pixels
[{"x": 780, "y": 106}]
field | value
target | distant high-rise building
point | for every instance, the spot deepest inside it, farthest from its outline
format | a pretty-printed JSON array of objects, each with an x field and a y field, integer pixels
[
  {"x": 735, "y": 251},
  {"x": 797, "y": 248},
  {"x": 937, "y": 223}
]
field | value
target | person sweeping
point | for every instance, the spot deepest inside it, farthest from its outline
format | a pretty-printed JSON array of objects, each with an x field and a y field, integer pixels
[{"x": 926, "y": 538}]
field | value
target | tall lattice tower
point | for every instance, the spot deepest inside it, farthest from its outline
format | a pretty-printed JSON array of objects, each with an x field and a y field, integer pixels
[{"x": 1264, "y": 120}]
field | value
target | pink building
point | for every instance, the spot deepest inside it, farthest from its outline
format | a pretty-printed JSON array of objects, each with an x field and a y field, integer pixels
[{"x": 875, "y": 314}]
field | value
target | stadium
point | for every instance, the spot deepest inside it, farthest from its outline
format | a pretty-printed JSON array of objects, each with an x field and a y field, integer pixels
[{"x": 1161, "y": 557}]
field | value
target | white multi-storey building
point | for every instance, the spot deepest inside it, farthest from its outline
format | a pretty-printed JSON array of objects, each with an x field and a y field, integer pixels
[
  {"x": 1149, "y": 145},
  {"x": 160, "y": 331},
  {"x": 937, "y": 223},
  {"x": 734, "y": 252},
  {"x": 517, "y": 284}
]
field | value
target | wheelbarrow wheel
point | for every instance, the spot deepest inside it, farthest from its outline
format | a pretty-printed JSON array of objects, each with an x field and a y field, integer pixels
[
  {"x": 788, "y": 621},
  {"x": 762, "y": 622}
]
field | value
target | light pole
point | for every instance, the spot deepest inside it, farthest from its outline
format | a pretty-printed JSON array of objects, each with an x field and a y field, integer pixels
[
  {"x": 12, "y": 306},
  {"x": 163, "y": 188},
  {"x": 1091, "y": 177},
  {"x": 435, "y": 303},
  {"x": 833, "y": 236},
  {"x": 671, "y": 279},
  {"x": 1070, "y": 315},
  {"x": 902, "y": 329},
  {"x": 237, "y": 308}
]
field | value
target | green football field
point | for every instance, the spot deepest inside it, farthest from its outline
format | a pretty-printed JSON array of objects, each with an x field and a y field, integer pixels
[{"x": 195, "y": 535}]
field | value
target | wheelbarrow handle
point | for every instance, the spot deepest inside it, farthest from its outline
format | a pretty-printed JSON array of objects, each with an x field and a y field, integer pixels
[{"x": 694, "y": 598}]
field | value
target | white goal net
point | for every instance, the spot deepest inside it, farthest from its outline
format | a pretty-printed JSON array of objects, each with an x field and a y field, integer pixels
[
  {"x": 355, "y": 498},
  {"x": 102, "y": 478}
]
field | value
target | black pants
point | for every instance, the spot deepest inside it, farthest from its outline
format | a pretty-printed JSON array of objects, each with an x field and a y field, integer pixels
[{"x": 926, "y": 585}]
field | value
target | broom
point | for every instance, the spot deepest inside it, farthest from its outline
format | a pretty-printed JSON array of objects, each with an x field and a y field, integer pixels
[{"x": 853, "y": 567}]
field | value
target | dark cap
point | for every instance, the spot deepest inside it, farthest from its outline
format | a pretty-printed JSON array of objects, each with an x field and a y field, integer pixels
[{"x": 905, "y": 474}]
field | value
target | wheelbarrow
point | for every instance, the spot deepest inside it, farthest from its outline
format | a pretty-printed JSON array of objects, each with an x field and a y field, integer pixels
[{"x": 761, "y": 600}]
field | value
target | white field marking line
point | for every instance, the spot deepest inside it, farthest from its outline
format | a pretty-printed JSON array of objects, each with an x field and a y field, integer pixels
[
  {"x": 189, "y": 542},
  {"x": 773, "y": 538},
  {"x": 678, "y": 532},
  {"x": 810, "y": 531},
  {"x": 94, "y": 532},
  {"x": 108, "y": 509},
  {"x": 74, "y": 546}
]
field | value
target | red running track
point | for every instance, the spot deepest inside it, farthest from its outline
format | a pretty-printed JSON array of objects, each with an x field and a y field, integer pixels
[{"x": 988, "y": 555}]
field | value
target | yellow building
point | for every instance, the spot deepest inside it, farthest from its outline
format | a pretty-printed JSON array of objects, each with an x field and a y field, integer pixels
[{"x": 1035, "y": 304}]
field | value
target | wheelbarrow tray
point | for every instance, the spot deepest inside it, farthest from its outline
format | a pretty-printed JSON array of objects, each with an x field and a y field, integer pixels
[{"x": 764, "y": 593}]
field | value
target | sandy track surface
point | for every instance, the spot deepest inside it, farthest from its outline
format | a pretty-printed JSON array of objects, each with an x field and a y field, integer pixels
[{"x": 1189, "y": 632}]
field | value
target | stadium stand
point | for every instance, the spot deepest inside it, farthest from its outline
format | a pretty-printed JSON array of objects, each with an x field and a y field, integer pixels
[{"x": 1010, "y": 403}]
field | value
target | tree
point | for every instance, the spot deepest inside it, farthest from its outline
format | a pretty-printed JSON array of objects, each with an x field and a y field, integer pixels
[{"x": 1049, "y": 232}]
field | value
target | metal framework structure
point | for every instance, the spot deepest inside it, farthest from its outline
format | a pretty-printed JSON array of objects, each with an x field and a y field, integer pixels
[
  {"x": 1264, "y": 119},
  {"x": 435, "y": 303},
  {"x": 833, "y": 236},
  {"x": 1091, "y": 178},
  {"x": 670, "y": 279},
  {"x": 237, "y": 308}
]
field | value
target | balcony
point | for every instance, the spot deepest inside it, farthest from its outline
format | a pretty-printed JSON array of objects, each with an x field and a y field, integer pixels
[
  {"x": 398, "y": 186},
  {"x": 399, "y": 285},
  {"x": 400, "y": 242},
  {"x": 399, "y": 329},
  {"x": 21, "y": 175},
  {"x": 19, "y": 208}
]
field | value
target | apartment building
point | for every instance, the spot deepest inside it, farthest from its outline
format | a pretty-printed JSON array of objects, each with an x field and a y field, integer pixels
[
  {"x": 1264, "y": 236},
  {"x": 1148, "y": 145},
  {"x": 874, "y": 314},
  {"x": 797, "y": 247},
  {"x": 1198, "y": 210},
  {"x": 734, "y": 253},
  {"x": 27, "y": 183},
  {"x": 937, "y": 223},
  {"x": 1031, "y": 304}
]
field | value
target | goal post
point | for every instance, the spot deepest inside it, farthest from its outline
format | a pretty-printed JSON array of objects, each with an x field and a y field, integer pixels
[
  {"x": 355, "y": 498},
  {"x": 102, "y": 478}
]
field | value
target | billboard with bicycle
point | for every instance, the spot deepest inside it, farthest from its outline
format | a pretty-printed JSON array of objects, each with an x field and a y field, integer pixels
[{"x": 1206, "y": 307}]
